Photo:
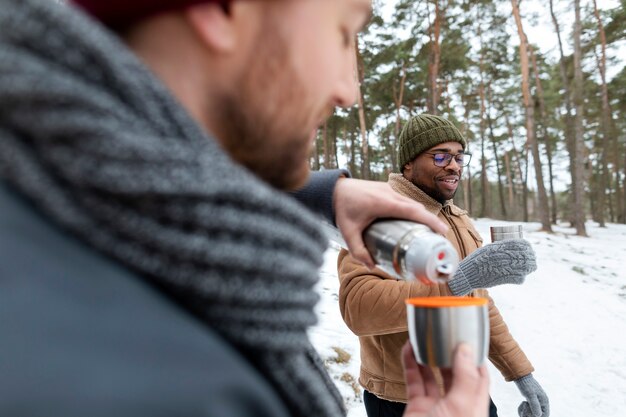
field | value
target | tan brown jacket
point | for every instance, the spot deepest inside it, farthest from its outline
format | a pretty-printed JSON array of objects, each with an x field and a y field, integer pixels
[{"x": 372, "y": 305}]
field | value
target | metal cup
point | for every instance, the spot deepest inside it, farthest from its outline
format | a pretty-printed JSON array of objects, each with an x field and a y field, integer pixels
[
  {"x": 438, "y": 324},
  {"x": 506, "y": 232}
]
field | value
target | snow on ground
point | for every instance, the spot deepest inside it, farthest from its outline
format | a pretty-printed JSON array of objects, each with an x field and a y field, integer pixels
[{"x": 569, "y": 318}]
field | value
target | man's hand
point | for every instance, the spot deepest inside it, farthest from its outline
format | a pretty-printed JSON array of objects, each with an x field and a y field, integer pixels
[
  {"x": 537, "y": 403},
  {"x": 503, "y": 262},
  {"x": 358, "y": 203},
  {"x": 467, "y": 387}
]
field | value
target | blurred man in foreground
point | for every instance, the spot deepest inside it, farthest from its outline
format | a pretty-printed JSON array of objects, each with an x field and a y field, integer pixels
[{"x": 152, "y": 263}]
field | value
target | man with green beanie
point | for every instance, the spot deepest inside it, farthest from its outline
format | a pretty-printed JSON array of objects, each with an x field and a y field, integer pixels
[{"x": 431, "y": 156}]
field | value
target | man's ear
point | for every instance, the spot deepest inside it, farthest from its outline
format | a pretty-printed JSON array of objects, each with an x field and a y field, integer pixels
[{"x": 213, "y": 25}]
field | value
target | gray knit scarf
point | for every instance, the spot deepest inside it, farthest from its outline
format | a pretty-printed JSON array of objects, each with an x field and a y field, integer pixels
[{"x": 99, "y": 145}]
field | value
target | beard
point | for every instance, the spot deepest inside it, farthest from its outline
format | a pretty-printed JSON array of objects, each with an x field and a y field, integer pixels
[
  {"x": 268, "y": 122},
  {"x": 431, "y": 189},
  {"x": 441, "y": 196}
]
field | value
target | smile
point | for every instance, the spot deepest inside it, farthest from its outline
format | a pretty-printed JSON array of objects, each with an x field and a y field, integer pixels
[{"x": 449, "y": 183}]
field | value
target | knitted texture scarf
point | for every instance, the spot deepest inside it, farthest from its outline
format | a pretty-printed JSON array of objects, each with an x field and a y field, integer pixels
[{"x": 99, "y": 145}]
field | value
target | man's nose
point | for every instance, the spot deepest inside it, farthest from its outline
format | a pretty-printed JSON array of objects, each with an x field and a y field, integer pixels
[
  {"x": 347, "y": 91},
  {"x": 454, "y": 165}
]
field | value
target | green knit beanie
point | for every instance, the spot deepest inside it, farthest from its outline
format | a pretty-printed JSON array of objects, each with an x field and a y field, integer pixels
[{"x": 421, "y": 133}]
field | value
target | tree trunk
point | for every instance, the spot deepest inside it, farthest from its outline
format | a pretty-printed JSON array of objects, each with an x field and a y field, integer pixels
[
  {"x": 485, "y": 207},
  {"x": 365, "y": 168},
  {"x": 620, "y": 204},
  {"x": 523, "y": 177},
  {"x": 544, "y": 129},
  {"x": 495, "y": 157},
  {"x": 467, "y": 183},
  {"x": 609, "y": 138},
  {"x": 399, "y": 98},
  {"x": 579, "y": 186},
  {"x": 544, "y": 212},
  {"x": 601, "y": 184},
  {"x": 518, "y": 161},
  {"x": 334, "y": 145},
  {"x": 434, "y": 31},
  {"x": 387, "y": 149},
  {"x": 352, "y": 153},
  {"x": 325, "y": 145},
  {"x": 568, "y": 120},
  {"x": 316, "y": 153},
  {"x": 444, "y": 89},
  {"x": 344, "y": 140},
  {"x": 623, "y": 220},
  {"x": 509, "y": 178},
  {"x": 525, "y": 190}
]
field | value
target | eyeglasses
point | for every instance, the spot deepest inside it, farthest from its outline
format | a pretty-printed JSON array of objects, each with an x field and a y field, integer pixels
[{"x": 442, "y": 160}]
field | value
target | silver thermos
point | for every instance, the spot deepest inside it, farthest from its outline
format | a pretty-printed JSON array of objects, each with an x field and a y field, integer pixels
[{"x": 408, "y": 250}]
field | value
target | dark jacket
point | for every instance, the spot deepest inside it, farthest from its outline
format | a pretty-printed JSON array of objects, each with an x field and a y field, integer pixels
[
  {"x": 82, "y": 336},
  {"x": 93, "y": 139}
]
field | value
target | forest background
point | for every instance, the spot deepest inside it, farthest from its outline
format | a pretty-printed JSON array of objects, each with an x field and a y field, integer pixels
[{"x": 545, "y": 117}]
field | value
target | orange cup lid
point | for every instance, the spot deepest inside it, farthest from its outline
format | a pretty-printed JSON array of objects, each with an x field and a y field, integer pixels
[{"x": 434, "y": 302}]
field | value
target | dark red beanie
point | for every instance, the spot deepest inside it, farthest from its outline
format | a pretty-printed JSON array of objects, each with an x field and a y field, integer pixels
[{"x": 119, "y": 13}]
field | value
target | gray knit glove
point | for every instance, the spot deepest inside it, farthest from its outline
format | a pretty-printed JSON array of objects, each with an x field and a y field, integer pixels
[
  {"x": 536, "y": 404},
  {"x": 503, "y": 262}
]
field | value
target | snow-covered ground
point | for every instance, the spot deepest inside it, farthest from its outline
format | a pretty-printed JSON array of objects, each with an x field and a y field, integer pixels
[{"x": 569, "y": 317}]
